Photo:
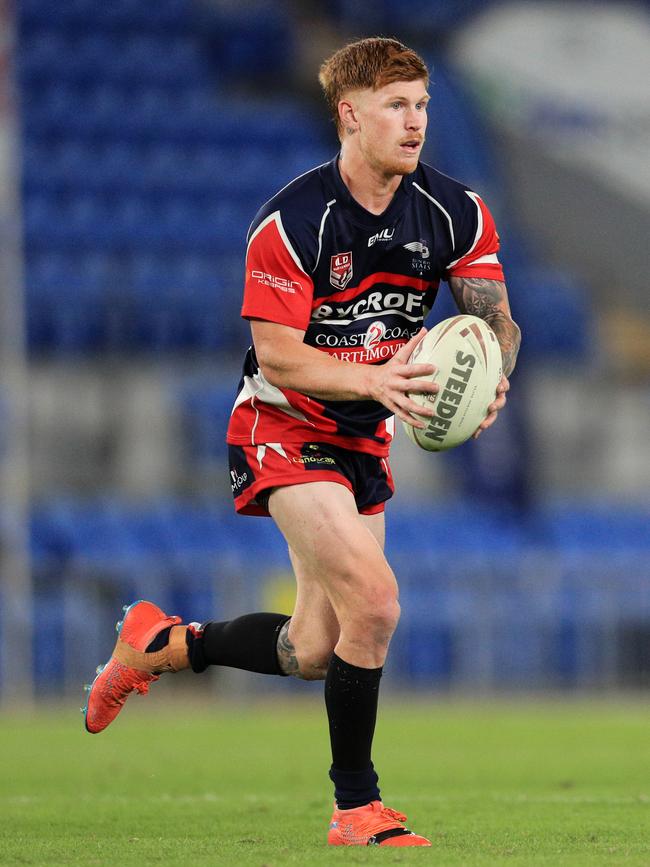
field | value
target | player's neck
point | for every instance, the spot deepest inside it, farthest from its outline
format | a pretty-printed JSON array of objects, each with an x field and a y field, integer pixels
[{"x": 372, "y": 189}]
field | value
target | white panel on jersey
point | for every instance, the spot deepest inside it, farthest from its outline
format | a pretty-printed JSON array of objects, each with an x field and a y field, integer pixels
[
  {"x": 372, "y": 315},
  {"x": 479, "y": 229},
  {"x": 488, "y": 259},
  {"x": 258, "y": 388},
  {"x": 277, "y": 219}
]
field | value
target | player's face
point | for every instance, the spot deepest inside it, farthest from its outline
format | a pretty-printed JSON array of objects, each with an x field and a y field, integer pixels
[{"x": 392, "y": 122}]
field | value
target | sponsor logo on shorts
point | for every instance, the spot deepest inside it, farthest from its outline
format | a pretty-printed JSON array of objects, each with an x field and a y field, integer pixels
[
  {"x": 237, "y": 481},
  {"x": 311, "y": 454},
  {"x": 341, "y": 269}
]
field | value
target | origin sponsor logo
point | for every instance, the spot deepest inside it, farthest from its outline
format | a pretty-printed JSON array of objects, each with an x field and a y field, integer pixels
[
  {"x": 376, "y": 302},
  {"x": 450, "y": 397},
  {"x": 281, "y": 283}
]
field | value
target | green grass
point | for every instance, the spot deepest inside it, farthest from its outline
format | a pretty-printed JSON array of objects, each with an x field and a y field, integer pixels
[{"x": 510, "y": 783}]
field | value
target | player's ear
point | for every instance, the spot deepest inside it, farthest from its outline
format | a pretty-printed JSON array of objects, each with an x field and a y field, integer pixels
[{"x": 348, "y": 116}]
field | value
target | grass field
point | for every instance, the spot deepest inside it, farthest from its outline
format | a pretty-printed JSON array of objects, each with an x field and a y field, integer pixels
[{"x": 490, "y": 784}]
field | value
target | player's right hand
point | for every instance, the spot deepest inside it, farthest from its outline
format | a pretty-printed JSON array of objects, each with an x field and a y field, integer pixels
[{"x": 391, "y": 383}]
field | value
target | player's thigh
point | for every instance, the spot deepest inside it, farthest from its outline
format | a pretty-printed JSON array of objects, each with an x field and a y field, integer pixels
[
  {"x": 334, "y": 545},
  {"x": 377, "y": 526}
]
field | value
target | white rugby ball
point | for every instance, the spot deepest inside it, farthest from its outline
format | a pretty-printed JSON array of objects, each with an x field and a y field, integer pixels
[{"x": 468, "y": 363}]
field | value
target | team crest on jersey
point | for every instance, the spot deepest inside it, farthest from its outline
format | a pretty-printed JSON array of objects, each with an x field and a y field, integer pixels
[
  {"x": 341, "y": 270},
  {"x": 418, "y": 247},
  {"x": 419, "y": 263}
]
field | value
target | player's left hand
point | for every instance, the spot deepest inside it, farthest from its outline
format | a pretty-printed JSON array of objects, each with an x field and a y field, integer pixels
[{"x": 493, "y": 409}]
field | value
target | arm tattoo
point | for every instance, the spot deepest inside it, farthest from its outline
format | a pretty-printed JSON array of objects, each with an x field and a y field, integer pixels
[
  {"x": 488, "y": 299},
  {"x": 287, "y": 652}
]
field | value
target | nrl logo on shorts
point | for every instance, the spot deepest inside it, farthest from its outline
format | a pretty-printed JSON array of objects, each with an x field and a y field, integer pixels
[{"x": 341, "y": 270}]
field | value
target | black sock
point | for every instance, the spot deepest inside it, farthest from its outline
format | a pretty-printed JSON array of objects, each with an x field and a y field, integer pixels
[
  {"x": 351, "y": 695},
  {"x": 249, "y": 642}
]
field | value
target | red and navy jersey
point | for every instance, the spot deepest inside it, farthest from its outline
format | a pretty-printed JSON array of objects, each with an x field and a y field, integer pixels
[{"x": 358, "y": 285}]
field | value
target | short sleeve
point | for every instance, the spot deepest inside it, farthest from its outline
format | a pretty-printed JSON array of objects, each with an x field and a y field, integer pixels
[
  {"x": 277, "y": 288},
  {"x": 480, "y": 259}
]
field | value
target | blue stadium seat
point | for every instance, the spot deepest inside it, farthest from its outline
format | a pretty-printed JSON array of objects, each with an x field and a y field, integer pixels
[
  {"x": 456, "y": 526},
  {"x": 545, "y": 294},
  {"x": 457, "y": 142},
  {"x": 204, "y": 410},
  {"x": 595, "y": 526},
  {"x": 420, "y": 18},
  {"x": 248, "y": 42},
  {"x": 167, "y": 16}
]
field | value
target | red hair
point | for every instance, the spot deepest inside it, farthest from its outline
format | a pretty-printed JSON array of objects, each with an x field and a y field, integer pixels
[{"x": 368, "y": 63}]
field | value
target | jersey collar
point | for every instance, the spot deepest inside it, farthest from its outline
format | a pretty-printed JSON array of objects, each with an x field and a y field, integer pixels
[{"x": 356, "y": 212}]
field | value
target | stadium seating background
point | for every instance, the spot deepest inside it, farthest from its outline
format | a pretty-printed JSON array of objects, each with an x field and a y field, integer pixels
[{"x": 151, "y": 134}]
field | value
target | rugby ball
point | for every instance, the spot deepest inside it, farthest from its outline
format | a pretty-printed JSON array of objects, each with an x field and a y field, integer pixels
[{"x": 467, "y": 357}]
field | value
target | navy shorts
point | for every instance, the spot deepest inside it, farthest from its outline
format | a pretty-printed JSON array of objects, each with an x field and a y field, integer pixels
[{"x": 256, "y": 470}]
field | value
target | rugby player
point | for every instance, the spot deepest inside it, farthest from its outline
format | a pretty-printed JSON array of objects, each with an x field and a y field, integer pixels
[{"x": 342, "y": 267}]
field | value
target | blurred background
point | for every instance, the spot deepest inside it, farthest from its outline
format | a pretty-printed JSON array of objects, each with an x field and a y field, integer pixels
[{"x": 137, "y": 141}]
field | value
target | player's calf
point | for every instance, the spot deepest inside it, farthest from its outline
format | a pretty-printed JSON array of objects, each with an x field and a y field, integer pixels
[{"x": 301, "y": 657}]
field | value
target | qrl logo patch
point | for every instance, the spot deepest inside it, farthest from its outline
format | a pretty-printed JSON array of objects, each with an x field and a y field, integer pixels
[{"x": 341, "y": 270}]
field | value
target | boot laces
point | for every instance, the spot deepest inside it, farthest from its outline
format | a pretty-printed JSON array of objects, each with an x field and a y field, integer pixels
[
  {"x": 122, "y": 680},
  {"x": 389, "y": 813}
]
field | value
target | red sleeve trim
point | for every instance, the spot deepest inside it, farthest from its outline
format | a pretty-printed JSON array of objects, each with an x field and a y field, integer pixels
[
  {"x": 276, "y": 288},
  {"x": 481, "y": 259}
]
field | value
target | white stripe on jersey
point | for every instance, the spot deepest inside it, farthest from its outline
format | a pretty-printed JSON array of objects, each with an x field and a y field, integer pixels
[
  {"x": 320, "y": 233},
  {"x": 488, "y": 259},
  {"x": 277, "y": 219},
  {"x": 372, "y": 315},
  {"x": 479, "y": 229},
  {"x": 258, "y": 388},
  {"x": 439, "y": 206}
]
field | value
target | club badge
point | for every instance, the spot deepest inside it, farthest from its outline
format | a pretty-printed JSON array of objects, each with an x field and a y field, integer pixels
[{"x": 341, "y": 270}]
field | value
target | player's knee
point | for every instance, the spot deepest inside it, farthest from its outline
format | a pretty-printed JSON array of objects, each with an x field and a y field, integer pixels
[{"x": 377, "y": 620}]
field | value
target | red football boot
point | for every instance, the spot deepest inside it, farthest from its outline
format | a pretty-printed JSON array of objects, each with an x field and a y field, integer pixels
[
  {"x": 371, "y": 825},
  {"x": 130, "y": 667}
]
